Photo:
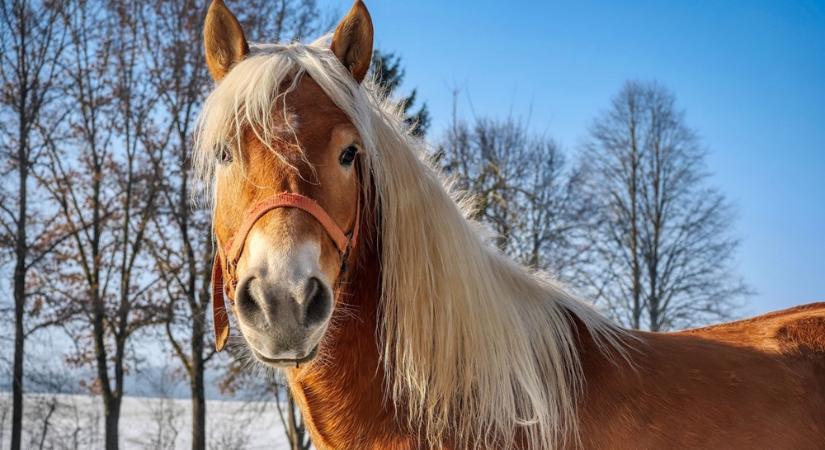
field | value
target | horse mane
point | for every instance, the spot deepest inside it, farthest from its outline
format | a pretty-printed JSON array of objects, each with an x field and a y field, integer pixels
[{"x": 476, "y": 348}]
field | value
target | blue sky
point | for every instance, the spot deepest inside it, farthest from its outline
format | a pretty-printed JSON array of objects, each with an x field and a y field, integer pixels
[{"x": 749, "y": 74}]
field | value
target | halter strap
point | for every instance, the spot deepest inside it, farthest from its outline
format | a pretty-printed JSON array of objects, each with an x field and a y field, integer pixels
[{"x": 234, "y": 248}]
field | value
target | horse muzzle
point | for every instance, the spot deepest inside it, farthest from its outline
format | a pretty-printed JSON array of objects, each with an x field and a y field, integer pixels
[{"x": 283, "y": 315}]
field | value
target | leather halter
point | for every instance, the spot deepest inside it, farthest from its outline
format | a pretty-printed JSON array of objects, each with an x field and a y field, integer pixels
[{"x": 235, "y": 245}]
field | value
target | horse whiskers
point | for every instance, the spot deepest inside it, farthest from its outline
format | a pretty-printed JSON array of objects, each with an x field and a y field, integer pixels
[{"x": 345, "y": 311}]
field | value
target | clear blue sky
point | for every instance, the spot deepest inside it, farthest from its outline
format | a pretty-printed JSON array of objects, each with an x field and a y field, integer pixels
[{"x": 750, "y": 75}]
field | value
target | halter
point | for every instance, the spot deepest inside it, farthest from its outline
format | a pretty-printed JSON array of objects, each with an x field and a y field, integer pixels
[{"x": 234, "y": 248}]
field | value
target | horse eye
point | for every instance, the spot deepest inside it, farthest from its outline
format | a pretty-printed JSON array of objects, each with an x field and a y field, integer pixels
[
  {"x": 224, "y": 154},
  {"x": 348, "y": 155}
]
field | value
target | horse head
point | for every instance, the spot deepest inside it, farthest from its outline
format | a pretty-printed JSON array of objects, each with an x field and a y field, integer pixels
[{"x": 287, "y": 187}]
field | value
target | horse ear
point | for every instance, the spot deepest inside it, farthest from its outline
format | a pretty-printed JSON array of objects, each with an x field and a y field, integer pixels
[
  {"x": 223, "y": 40},
  {"x": 352, "y": 41}
]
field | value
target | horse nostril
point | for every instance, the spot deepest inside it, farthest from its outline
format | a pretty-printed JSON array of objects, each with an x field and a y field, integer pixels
[
  {"x": 316, "y": 301},
  {"x": 244, "y": 299}
]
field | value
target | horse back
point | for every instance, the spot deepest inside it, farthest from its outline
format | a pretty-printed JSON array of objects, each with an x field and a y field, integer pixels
[
  {"x": 755, "y": 383},
  {"x": 798, "y": 330}
]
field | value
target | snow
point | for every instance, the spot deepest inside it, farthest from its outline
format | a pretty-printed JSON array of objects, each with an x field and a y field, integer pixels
[{"x": 76, "y": 422}]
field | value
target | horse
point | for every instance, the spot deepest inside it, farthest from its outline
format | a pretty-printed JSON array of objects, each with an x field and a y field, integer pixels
[{"x": 350, "y": 262}]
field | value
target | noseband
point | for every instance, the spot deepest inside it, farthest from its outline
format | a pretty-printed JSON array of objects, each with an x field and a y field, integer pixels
[{"x": 235, "y": 245}]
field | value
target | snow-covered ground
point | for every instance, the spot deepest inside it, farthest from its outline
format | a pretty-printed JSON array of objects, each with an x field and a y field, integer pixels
[{"x": 76, "y": 422}]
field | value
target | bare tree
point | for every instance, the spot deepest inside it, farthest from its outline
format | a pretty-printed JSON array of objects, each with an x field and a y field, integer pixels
[
  {"x": 165, "y": 413},
  {"x": 32, "y": 40},
  {"x": 524, "y": 189},
  {"x": 44, "y": 410},
  {"x": 104, "y": 179},
  {"x": 664, "y": 246},
  {"x": 183, "y": 252},
  {"x": 229, "y": 437}
]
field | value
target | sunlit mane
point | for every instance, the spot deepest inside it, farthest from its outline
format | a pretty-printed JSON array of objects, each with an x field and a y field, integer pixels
[{"x": 476, "y": 347}]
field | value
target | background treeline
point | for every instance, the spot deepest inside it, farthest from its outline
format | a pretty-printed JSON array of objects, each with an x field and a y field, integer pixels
[{"x": 103, "y": 248}]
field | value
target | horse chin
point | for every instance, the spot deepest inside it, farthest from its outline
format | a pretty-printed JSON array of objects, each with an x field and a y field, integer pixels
[
  {"x": 302, "y": 350},
  {"x": 283, "y": 363}
]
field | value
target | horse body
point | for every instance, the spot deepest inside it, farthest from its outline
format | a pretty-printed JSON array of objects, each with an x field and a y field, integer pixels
[
  {"x": 424, "y": 335},
  {"x": 797, "y": 329}
]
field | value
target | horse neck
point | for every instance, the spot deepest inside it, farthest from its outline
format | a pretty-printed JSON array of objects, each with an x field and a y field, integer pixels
[{"x": 341, "y": 395}]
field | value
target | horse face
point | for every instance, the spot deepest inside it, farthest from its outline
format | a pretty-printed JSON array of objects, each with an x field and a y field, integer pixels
[{"x": 289, "y": 265}]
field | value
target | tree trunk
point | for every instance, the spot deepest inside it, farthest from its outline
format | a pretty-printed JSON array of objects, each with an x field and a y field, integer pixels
[
  {"x": 17, "y": 378},
  {"x": 111, "y": 399},
  {"x": 197, "y": 386},
  {"x": 112, "y": 404},
  {"x": 21, "y": 254}
]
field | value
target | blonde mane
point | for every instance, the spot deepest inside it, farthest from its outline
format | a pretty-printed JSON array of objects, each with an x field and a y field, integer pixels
[{"x": 476, "y": 348}]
